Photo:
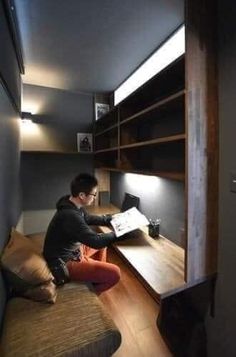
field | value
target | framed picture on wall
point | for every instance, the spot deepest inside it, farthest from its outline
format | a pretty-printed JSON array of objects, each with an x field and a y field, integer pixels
[
  {"x": 101, "y": 109},
  {"x": 85, "y": 142}
]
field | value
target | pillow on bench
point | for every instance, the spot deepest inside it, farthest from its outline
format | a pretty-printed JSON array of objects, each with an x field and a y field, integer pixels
[{"x": 26, "y": 271}]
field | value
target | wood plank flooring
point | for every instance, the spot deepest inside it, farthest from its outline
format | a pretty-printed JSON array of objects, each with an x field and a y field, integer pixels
[{"x": 135, "y": 312}]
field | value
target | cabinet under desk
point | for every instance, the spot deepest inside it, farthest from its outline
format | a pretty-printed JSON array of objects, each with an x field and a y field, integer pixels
[{"x": 158, "y": 263}]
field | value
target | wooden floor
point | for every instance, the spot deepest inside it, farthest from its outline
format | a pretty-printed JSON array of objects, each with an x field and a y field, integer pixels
[{"x": 134, "y": 312}]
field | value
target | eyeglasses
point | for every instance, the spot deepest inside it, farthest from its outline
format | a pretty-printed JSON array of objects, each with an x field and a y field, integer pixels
[{"x": 92, "y": 194}]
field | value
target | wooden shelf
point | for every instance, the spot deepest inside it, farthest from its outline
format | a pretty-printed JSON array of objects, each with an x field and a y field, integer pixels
[
  {"x": 107, "y": 168},
  {"x": 106, "y": 122},
  {"x": 162, "y": 103},
  {"x": 146, "y": 143},
  {"x": 108, "y": 139},
  {"x": 106, "y": 150},
  {"x": 155, "y": 141},
  {"x": 177, "y": 176},
  {"x": 164, "y": 84},
  {"x": 106, "y": 130},
  {"x": 146, "y": 132},
  {"x": 57, "y": 152}
]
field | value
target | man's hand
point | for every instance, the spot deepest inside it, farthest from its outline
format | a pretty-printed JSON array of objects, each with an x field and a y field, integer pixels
[{"x": 107, "y": 219}]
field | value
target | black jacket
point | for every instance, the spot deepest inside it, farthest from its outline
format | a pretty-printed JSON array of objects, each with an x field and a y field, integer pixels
[{"x": 69, "y": 228}]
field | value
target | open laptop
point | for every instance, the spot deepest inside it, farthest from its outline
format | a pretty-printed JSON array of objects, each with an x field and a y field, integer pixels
[{"x": 129, "y": 201}]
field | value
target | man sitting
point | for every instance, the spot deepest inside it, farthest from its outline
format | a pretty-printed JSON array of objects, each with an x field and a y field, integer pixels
[{"x": 72, "y": 247}]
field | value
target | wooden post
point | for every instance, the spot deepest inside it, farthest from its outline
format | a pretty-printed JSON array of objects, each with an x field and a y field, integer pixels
[{"x": 202, "y": 139}]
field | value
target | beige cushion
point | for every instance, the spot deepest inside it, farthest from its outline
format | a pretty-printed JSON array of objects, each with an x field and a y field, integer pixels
[{"x": 26, "y": 270}]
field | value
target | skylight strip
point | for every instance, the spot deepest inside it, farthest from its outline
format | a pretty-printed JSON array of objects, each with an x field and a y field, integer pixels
[{"x": 173, "y": 48}]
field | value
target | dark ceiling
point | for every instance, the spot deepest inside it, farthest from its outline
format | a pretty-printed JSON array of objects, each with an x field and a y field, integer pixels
[{"x": 91, "y": 45}]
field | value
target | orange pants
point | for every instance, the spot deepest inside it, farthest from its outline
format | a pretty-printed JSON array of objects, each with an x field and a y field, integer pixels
[{"x": 93, "y": 268}]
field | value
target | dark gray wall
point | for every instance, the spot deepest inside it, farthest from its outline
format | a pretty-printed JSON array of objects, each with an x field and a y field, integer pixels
[
  {"x": 45, "y": 177},
  {"x": 9, "y": 166},
  {"x": 9, "y": 69},
  {"x": 9, "y": 175},
  {"x": 10, "y": 204},
  {"x": 60, "y": 113},
  {"x": 221, "y": 329},
  {"x": 159, "y": 198}
]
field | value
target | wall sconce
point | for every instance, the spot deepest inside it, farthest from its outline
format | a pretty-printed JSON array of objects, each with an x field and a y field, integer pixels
[{"x": 26, "y": 118}]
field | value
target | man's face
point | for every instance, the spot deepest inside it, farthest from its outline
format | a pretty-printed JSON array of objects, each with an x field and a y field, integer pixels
[{"x": 88, "y": 199}]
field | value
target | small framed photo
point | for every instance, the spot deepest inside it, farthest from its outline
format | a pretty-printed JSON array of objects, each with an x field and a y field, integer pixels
[
  {"x": 101, "y": 109},
  {"x": 85, "y": 142}
]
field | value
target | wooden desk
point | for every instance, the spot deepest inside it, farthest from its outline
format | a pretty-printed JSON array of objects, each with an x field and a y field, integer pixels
[{"x": 158, "y": 263}]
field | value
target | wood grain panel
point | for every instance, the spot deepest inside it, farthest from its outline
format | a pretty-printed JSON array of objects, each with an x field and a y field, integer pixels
[{"x": 202, "y": 132}]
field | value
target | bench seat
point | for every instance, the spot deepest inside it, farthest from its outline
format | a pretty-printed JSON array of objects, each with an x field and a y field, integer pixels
[{"x": 76, "y": 325}]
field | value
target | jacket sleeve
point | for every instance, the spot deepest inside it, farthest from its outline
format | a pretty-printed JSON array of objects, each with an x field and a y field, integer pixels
[
  {"x": 77, "y": 230},
  {"x": 93, "y": 220}
]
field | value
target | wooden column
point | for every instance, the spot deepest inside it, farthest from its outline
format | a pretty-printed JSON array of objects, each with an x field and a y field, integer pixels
[
  {"x": 202, "y": 139},
  {"x": 103, "y": 177}
]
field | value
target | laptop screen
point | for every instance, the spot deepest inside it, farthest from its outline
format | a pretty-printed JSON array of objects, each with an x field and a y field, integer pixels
[{"x": 129, "y": 202}]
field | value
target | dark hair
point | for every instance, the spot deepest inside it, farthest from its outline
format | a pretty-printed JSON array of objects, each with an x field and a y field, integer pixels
[{"x": 83, "y": 183}]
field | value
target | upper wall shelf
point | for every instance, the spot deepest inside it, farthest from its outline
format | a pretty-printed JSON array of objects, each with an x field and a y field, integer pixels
[
  {"x": 166, "y": 83},
  {"x": 169, "y": 103},
  {"x": 106, "y": 150},
  {"x": 154, "y": 141},
  {"x": 146, "y": 132},
  {"x": 107, "y": 122},
  {"x": 106, "y": 130}
]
